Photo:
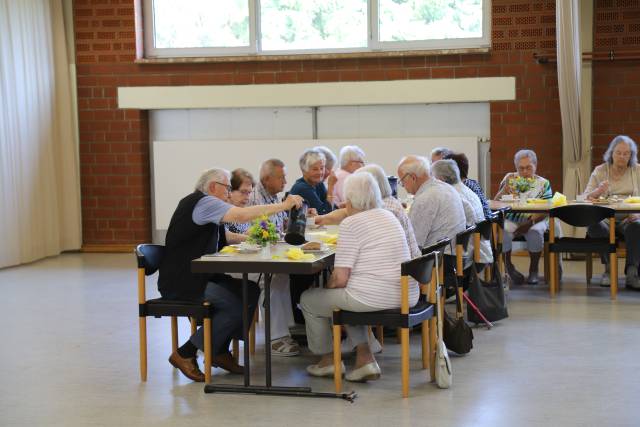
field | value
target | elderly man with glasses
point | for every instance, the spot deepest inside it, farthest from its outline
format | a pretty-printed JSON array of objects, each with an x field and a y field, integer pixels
[
  {"x": 196, "y": 229},
  {"x": 437, "y": 212}
]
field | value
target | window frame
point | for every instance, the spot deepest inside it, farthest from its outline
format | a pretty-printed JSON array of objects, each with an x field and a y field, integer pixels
[{"x": 254, "y": 49}]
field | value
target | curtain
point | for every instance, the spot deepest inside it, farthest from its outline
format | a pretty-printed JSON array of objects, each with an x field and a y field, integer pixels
[
  {"x": 575, "y": 154},
  {"x": 39, "y": 172}
]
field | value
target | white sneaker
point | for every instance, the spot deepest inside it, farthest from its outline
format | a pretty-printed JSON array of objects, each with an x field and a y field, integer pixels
[
  {"x": 605, "y": 281},
  {"x": 370, "y": 371}
]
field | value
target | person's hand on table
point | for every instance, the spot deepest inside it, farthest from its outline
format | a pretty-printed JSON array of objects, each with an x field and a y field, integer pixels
[{"x": 312, "y": 212}]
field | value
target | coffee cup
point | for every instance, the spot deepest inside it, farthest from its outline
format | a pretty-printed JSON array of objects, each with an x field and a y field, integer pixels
[{"x": 507, "y": 198}]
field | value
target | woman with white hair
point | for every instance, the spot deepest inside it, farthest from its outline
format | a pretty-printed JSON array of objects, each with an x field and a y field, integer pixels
[
  {"x": 330, "y": 160},
  {"x": 310, "y": 186},
  {"x": 389, "y": 202},
  {"x": 619, "y": 175},
  {"x": 366, "y": 277},
  {"x": 447, "y": 171},
  {"x": 351, "y": 159},
  {"x": 525, "y": 183}
]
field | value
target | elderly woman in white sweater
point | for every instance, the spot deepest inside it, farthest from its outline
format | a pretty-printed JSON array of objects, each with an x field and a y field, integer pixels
[
  {"x": 366, "y": 277},
  {"x": 447, "y": 171}
]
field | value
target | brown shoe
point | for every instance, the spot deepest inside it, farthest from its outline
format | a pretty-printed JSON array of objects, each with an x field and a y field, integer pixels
[
  {"x": 226, "y": 362},
  {"x": 188, "y": 367}
]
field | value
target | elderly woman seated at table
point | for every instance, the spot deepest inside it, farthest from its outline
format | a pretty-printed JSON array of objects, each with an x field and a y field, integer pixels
[
  {"x": 330, "y": 161},
  {"x": 241, "y": 186},
  {"x": 389, "y": 202},
  {"x": 310, "y": 186},
  {"x": 366, "y": 277},
  {"x": 447, "y": 171},
  {"x": 619, "y": 175},
  {"x": 526, "y": 184},
  {"x": 351, "y": 159},
  {"x": 462, "y": 161}
]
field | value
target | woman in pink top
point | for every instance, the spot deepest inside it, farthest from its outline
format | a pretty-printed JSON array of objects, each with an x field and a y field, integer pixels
[{"x": 351, "y": 159}]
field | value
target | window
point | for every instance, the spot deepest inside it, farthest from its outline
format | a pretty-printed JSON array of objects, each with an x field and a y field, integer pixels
[{"x": 268, "y": 27}]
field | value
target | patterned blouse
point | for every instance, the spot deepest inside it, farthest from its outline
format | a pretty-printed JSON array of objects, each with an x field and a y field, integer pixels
[{"x": 541, "y": 190}]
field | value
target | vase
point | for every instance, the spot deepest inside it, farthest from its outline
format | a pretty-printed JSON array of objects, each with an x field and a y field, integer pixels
[{"x": 265, "y": 251}]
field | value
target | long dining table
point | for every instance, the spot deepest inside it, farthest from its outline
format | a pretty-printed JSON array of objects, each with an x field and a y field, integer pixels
[
  {"x": 278, "y": 263},
  {"x": 536, "y": 206}
]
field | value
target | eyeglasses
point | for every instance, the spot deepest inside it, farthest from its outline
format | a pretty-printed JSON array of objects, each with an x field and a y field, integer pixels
[
  {"x": 402, "y": 179},
  {"x": 227, "y": 186}
]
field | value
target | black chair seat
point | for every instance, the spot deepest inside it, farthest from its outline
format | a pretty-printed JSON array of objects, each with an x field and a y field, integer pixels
[
  {"x": 580, "y": 245},
  {"x": 391, "y": 318},
  {"x": 159, "y": 307}
]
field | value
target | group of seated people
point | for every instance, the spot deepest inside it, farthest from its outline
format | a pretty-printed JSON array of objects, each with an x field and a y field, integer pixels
[{"x": 376, "y": 234}]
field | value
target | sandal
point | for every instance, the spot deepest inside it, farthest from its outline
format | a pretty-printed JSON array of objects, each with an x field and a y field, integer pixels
[{"x": 285, "y": 346}]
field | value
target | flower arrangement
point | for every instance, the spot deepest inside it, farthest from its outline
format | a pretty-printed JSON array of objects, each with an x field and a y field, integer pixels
[
  {"x": 522, "y": 184},
  {"x": 262, "y": 232}
]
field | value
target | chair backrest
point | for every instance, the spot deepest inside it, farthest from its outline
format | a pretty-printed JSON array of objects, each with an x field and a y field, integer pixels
[
  {"x": 462, "y": 238},
  {"x": 149, "y": 257},
  {"x": 438, "y": 246},
  {"x": 419, "y": 268},
  {"x": 484, "y": 228},
  {"x": 582, "y": 215},
  {"x": 498, "y": 216}
]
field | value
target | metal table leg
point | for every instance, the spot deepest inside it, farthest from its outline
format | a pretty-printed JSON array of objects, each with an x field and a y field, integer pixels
[
  {"x": 267, "y": 328},
  {"x": 245, "y": 328}
]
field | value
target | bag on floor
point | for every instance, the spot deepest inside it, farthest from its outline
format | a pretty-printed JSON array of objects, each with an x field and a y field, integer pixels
[
  {"x": 458, "y": 336},
  {"x": 444, "y": 374},
  {"x": 487, "y": 296}
]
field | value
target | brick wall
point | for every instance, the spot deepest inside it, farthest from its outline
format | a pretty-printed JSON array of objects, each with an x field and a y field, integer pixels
[
  {"x": 114, "y": 144},
  {"x": 616, "y": 95}
]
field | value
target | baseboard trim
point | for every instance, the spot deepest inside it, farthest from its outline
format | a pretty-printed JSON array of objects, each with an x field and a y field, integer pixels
[{"x": 108, "y": 248}]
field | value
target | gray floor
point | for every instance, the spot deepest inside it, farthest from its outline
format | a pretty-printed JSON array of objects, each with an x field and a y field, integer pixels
[{"x": 70, "y": 357}]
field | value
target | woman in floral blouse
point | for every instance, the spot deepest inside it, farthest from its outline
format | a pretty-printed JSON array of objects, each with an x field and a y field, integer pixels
[{"x": 526, "y": 184}]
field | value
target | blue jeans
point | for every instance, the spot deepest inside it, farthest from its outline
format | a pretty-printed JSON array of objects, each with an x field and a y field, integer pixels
[{"x": 225, "y": 297}]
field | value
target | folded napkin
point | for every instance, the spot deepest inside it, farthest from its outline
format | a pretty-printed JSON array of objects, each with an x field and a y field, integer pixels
[
  {"x": 229, "y": 250},
  {"x": 330, "y": 239},
  {"x": 298, "y": 254},
  {"x": 631, "y": 199},
  {"x": 558, "y": 199},
  {"x": 537, "y": 201}
]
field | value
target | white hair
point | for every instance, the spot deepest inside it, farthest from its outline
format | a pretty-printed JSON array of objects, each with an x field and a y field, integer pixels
[
  {"x": 310, "y": 157},
  {"x": 381, "y": 178},
  {"x": 210, "y": 175},
  {"x": 608, "y": 155},
  {"x": 525, "y": 153},
  {"x": 268, "y": 166},
  {"x": 362, "y": 191},
  {"x": 417, "y": 165},
  {"x": 329, "y": 157},
  {"x": 446, "y": 170},
  {"x": 349, "y": 153}
]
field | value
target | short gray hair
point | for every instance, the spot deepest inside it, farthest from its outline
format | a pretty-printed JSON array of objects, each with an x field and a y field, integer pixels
[
  {"x": 608, "y": 155},
  {"x": 310, "y": 157},
  {"x": 441, "y": 151},
  {"x": 349, "y": 153},
  {"x": 329, "y": 157},
  {"x": 446, "y": 170},
  {"x": 362, "y": 191},
  {"x": 213, "y": 174},
  {"x": 381, "y": 178},
  {"x": 525, "y": 153},
  {"x": 268, "y": 166},
  {"x": 417, "y": 165}
]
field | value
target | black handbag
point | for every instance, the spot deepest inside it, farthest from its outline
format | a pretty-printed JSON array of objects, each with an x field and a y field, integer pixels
[
  {"x": 458, "y": 336},
  {"x": 487, "y": 296}
]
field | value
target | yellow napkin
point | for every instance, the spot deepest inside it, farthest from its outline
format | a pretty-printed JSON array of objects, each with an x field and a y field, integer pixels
[
  {"x": 330, "y": 239},
  {"x": 298, "y": 254},
  {"x": 229, "y": 250},
  {"x": 537, "y": 201},
  {"x": 631, "y": 200},
  {"x": 558, "y": 199}
]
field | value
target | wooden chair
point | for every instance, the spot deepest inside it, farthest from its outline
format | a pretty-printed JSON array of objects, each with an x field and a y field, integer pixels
[
  {"x": 583, "y": 216},
  {"x": 419, "y": 269},
  {"x": 462, "y": 241},
  {"x": 149, "y": 257}
]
